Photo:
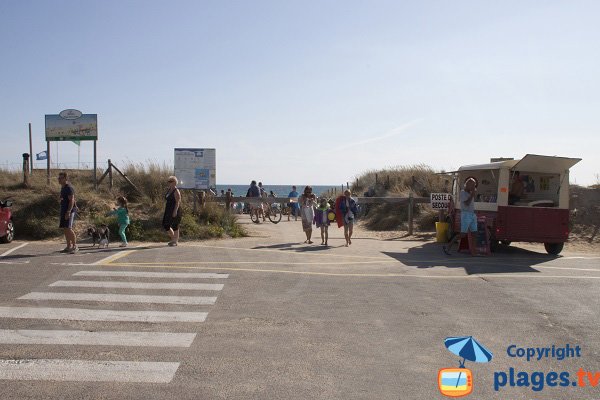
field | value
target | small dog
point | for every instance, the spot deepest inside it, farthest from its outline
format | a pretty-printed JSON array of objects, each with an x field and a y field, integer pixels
[{"x": 99, "y": 234}]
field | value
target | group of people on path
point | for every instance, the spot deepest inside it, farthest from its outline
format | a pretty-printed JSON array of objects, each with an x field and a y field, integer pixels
[
  {"x": 69, "y": 209},
  {"x": 312, "y": 211},
  {"x": 322, "y": 212}
]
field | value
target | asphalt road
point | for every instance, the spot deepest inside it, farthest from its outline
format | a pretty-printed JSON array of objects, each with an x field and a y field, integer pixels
[{"x": 268, "y": 317}]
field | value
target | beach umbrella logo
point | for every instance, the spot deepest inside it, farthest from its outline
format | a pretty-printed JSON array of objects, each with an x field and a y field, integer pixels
[{"x": 458, "y": 382}]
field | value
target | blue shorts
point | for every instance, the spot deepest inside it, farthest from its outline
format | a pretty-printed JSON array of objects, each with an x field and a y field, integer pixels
[
  {"x": 468, "y": 222},
  {"x": 67, "y": 223}
]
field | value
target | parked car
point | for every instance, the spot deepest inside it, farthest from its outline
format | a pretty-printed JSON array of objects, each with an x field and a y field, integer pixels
[{"x": 7, "y": 227}]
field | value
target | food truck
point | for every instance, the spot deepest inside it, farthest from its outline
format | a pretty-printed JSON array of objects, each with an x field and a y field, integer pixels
[{"x": 539, "y": 214}]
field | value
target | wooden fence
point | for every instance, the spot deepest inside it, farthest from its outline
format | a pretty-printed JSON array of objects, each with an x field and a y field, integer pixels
[{"x": 410, "y": 202}]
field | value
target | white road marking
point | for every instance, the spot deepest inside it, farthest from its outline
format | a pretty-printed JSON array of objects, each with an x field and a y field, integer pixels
[
  {"x": 198, "y": 275},
  {"x": 567, "y": 268},
  {"x": 15, "y": 262},
  {"x": 120, "y": 298},
  {"x": 88, "y": 370},
  {"x": 146, "y": 339},
  {"x": 13, "y": 249},
  {"x": 113, "y": 257},
  {"x": 140, "y": 285},
  {"x": 82, "y": 314}
]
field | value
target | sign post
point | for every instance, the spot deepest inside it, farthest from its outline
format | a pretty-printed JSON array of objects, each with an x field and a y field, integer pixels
[
  {"x": 71, "y": 125},
  {"x": 440, "y": 202}
]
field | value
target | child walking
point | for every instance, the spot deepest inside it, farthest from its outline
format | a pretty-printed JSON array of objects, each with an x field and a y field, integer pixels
[
  {"x": 122, "y": 214},
  {"x": 322, "y": 219}
]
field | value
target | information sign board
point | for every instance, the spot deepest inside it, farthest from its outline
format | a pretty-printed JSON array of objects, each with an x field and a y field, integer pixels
[{"x": 196, "y": 168}]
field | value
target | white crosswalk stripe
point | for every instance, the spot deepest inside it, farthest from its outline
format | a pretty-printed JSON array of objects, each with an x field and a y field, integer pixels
[
  {"x": 88, "y": 370},
  {"x": 115, "y": 338},
  {"x": 72, "y": 370},
  {"x": 139, "y": 285},
  {"x": 83, "y": 314},
  {"x": 144, "y": 274},
  {"x": 120, "y": 298}
]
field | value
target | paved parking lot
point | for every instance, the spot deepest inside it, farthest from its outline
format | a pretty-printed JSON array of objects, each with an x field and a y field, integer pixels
[{"x": 267, "y": 317}]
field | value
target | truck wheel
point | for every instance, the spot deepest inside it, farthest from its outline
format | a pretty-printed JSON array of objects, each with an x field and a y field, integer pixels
[
  {"x": 553, "y": 248},
  {"x": 10, "y": 233},
  {"x": 493, "y": 241}
]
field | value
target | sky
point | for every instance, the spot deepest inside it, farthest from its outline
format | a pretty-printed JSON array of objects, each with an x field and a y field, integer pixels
[{"x": 315, "y": 91}]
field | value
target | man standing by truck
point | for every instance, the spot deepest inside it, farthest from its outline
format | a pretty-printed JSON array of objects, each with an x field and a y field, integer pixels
[{"x": 468, "y": 219}]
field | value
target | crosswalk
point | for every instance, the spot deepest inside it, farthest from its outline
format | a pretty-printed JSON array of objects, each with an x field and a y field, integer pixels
[{"x": 142, "y": 287}]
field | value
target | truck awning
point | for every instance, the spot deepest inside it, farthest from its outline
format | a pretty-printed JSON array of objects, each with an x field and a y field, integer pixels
[
  {"x": 488, "y": 166},
  {"x": 548, "y": 164}
]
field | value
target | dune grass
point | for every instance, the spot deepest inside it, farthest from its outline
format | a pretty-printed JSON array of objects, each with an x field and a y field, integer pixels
[
  {"x": 36, "y": 208},
  {"x": 420, "y": 180}
]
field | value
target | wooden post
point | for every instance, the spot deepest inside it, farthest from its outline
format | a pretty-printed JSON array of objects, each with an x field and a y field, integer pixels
[
  {"x": 375, "y": 179},
  {"x": 47, "y": 162},
  {"x": 110, "y": 177},
  {"x": 113, "y": 166},
  {"x": 202, "y": 198},
  {"x": 195, "y": 196},
  {"x": 26, "y": 169},
  {"x": 95, "y": 168},
  {"x": 410, "y": 213},
  {"x": 228, "y": 200},
  {"x": 30, "y": 151}
]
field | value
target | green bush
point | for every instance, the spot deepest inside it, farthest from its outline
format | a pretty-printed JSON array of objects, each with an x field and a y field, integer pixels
[{"x": 36, "y": 209}]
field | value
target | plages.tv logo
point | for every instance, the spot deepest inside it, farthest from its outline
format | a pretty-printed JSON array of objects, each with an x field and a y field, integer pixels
[{"x": 458, "y": 382}]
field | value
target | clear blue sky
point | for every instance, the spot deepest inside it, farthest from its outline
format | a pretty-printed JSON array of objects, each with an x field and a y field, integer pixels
[{"x": 312, "y": 91}]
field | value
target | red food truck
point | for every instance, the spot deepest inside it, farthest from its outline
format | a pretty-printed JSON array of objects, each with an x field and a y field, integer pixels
[{"x": 524, "y": 200}]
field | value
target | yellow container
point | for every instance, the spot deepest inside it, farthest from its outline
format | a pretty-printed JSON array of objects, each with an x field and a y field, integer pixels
[{"x": 441, "y": 231}]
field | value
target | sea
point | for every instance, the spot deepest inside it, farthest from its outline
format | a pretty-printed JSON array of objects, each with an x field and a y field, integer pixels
[{"x": 279, "y": 190}]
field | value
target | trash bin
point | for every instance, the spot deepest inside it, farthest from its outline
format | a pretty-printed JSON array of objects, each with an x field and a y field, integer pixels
[{"x": 441, "y": 231}]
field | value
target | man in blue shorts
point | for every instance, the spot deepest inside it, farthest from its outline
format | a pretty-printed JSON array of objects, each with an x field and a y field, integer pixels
[
  {"x": 468, "y": 219},
  {"x": 68, "y": 210}
]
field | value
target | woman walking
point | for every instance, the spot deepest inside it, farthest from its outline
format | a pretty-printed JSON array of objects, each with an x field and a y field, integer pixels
[
  {"x": 172, "y": 216},
  {"x": 349, "y": 210},
  {"x": 307, "y": 211}
]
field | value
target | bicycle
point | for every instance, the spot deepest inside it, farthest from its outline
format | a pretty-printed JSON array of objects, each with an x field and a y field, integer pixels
[{"x": 271, "y": 211}]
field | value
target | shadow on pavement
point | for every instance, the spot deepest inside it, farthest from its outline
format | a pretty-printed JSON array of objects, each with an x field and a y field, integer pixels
[
  {"x": 276, "y": 246},
  {"x": 17, "y": 256},
  {"x": 417, "y": 237},
  {"x": 503, "y": 261},
  {"x": 288, "y": 247}
]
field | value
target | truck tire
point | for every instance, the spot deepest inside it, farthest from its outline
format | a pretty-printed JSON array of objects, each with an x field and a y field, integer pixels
[
  {"x": 554, "y": 248},
  {"x": 494, "y": 243}
]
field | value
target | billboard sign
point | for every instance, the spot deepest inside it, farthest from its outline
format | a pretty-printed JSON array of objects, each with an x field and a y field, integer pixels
[
  {"x": 196, "y": 168},
  {"x": 71, "y": 125}
]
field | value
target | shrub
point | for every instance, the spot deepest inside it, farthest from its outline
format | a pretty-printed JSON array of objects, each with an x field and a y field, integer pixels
[{"x": 36, "y": 209}]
